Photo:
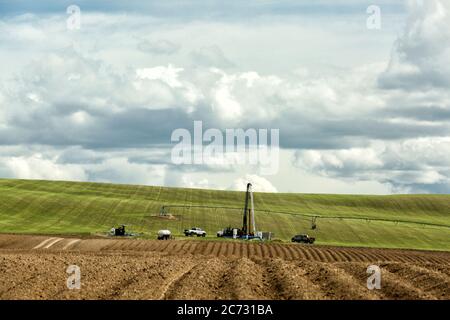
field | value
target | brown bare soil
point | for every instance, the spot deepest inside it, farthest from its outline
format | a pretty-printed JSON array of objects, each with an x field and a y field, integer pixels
[{"x": 34, "y": 267}]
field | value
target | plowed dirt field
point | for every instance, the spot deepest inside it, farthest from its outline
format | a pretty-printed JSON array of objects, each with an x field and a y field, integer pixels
[{"x": 34, "y": 267}]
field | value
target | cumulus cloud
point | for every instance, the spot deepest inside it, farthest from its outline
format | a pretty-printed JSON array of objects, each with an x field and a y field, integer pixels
[
  {"x": 210, "y": 56},
  {"x": 158, "y": 46},
  {"x": 101, "y": 105},
  {"x": 121, "y": 170},
  {"x": 38, "y": 166},
  {"x": 78, "y": 164},
  {"x": 199, "y": 184},
  {"x": 417, "y": 165},
  {"x": 72, "y": 99},
  {"x": 421, "y": 54},
  {"x": 259, "y": 184},
  {"x": 410, "y": 149}
]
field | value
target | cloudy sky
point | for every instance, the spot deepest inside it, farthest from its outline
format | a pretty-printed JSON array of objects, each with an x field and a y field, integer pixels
[{"x": 359, "y": 110}]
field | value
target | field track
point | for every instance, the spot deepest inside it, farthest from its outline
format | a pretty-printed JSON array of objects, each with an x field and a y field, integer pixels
[{"x": 34, "y": 267}]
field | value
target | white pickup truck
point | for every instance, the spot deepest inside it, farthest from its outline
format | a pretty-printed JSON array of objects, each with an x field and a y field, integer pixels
[{"x": 195, "y": 231}]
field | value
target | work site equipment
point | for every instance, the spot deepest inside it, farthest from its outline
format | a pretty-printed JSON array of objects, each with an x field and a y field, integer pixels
[
  {"x": 119, "y": 231},
  {"x": 227, "y": 232},
  {"x": 248, "y": 230},
  {"x": 313, "y": 223},
  {"x": 248, "y": 223},
  {"x": 163, "y": 212},
  {"x": 303, "y": 238},
  {"x": 164, "y": 235}
]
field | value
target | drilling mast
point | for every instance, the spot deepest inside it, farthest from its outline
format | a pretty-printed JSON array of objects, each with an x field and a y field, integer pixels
[{"x": 248, "y": 223}]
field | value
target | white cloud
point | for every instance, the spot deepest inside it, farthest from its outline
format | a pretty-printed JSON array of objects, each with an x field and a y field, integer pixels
[
  {"x": 210, "y": 56},
  {"x": 259, "y": 184},
  {"x": 80, "y": 118},
  {"x": 168, "y": 75},
  {"x": 223, "y": 101},
  {"x": 340, "y": 160},
  {"x": 188, "y": 183},
  {"x": 117, "y": 84},
  {"x": 120, "y": 169},
  {"x": 421, "y": 54},
  {"x": 38, "y": 167},
  {"x": 407, "y": 164},
  {"x": 158, "y": 47}
]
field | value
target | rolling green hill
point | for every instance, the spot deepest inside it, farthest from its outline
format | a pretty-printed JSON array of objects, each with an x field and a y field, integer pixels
[{"x": 59, "y": 207}]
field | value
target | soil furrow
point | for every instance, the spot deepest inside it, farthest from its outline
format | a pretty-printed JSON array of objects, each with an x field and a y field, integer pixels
[
  {"x": 202, "y": 269},
  {"x": 335, "y": 282}
]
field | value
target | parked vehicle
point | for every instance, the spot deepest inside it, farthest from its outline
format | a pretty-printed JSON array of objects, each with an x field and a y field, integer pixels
[
  {"x": 119, "y": 231},
  {"x": 194, "y": 232},
  {"x": 227, "y": 232},
  {"x": 164, "y": 235},
  {"x": 303, "y": 238}
]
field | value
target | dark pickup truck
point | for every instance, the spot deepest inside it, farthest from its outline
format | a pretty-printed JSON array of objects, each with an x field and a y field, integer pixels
[{"x": 303, "y": 238}]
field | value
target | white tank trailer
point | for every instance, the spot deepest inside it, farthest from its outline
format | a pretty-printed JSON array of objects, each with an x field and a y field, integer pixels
[{"x": 164, "y": 234}]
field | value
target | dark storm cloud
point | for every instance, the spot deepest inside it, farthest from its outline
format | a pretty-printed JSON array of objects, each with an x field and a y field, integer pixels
[
  {"x": 429, "y": 113},
  {"x": 140, "y": 128},
  {"x": 425, "y": 188},
  {"x": 298, "y": 132},
  {"x": 422, "y": 80},
  {"x": 127, "y": 129}
]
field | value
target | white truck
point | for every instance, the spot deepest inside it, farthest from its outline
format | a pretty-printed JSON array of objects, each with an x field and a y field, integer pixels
[{"x": 194, "y": 232}]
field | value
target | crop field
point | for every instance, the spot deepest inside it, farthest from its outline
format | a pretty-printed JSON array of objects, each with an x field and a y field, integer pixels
[
  {"x": 80, "y": 208},
  {"x": 46, "y": 226},
  {"x": 149, "y": 269}
]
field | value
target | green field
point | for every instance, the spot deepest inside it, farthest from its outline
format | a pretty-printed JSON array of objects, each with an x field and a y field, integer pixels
[{"x": 59, "y": 207}]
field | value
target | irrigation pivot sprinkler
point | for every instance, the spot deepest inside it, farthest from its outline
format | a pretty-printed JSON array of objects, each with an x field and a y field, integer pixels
[
  {"x": 163, "y": 212},
  {"x": 313, "y": 223}
]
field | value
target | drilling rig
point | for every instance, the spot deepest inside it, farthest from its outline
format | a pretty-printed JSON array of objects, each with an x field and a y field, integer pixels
[
  {"x": 248, "y": 223},
  {"x": 248, "y": 230}
]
